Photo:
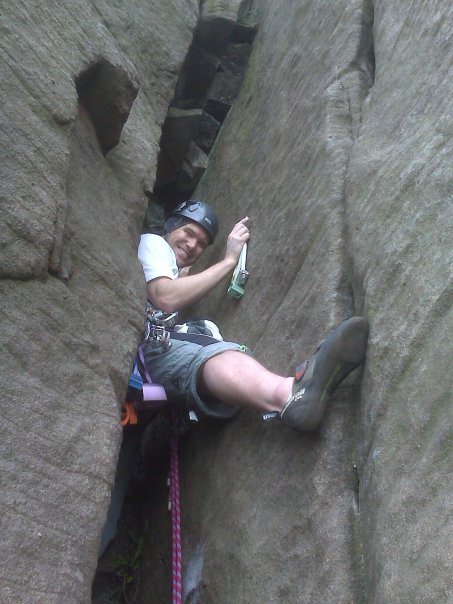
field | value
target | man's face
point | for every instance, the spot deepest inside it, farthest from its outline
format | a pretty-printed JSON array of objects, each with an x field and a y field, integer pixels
[{"x": 188, "y": 243}]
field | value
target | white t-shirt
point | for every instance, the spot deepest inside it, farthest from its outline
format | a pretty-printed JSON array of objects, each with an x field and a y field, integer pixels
[{"x": 156, "y": 257}]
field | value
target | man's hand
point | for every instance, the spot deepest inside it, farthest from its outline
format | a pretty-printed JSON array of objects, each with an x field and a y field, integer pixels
[
  {"x": 172, "y": 295},
  {"x": 236, "y": 239}
]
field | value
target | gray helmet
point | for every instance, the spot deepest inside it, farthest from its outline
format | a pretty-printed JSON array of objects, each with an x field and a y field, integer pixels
[{"x": 201, "y": 213}]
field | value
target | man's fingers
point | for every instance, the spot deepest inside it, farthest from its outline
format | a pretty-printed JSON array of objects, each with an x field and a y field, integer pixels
[
  {"x": 240, "y": 232},
  {"x": 241, "y": 228},
  {"x": 241, "y": 225},
  {"x": 243, "y": 222}
]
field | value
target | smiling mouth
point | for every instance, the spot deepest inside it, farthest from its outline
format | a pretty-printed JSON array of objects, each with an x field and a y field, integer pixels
[{"x": 184, "y": 253}]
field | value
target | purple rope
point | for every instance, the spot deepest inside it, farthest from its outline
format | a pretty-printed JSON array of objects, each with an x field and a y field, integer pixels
[
  {"x": 176, "y": 554},
  {"x": 175, "y": 516}
]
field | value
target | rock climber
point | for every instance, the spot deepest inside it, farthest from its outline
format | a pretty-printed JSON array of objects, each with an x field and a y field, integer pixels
[
  {"x": 212, "y": 376},
  {"x": 205, "y": 374}
]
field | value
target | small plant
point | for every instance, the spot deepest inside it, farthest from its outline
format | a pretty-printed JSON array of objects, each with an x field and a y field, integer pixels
[{"x": 124, "y": 566}]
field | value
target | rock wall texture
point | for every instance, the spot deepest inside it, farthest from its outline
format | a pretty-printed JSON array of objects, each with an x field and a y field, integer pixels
[
  {"x": 78, "y": 155},
  {"x": 337, "y": 147},
  {"x": 399, "y": 213}
]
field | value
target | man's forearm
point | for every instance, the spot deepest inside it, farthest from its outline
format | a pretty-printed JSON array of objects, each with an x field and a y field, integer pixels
[{"x": 171, "y": 295}]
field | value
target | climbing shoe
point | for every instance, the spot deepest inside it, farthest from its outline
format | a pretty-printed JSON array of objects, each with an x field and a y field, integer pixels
[{"x": 316, "y": 379}]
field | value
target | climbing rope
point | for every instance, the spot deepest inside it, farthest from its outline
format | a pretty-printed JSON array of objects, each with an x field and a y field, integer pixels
[
  {"x": 175, "y": 516},
  {"x": 154, "y": 395}
]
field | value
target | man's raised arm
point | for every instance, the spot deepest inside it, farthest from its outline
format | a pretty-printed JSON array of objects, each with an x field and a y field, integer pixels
[{"x": 171, "y": 295}]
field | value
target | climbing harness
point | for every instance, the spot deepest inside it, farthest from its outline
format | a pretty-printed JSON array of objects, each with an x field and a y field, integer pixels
[{"x": 240, "y": 276}]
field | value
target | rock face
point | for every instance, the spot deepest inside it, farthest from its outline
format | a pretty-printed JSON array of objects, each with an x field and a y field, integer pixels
[
  {"x": 337, "y": 147},
  {"x": 399, "y": 215},
  {"x": 209, "y": 81},
  {"x": 72, "y": 202}
]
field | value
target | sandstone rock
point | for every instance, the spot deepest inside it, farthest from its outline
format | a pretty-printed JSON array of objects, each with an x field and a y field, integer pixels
[
  {"x": 235, "y": 59},
  {"x": 192, "y": 169},
  {"x": 59, "y": 432},
  {"x": 218, "y": 18},
  {"x": 66, "y": 348},
  {"x": 198, "y": 72},
  {"x": 41, "y": 81},
  {"x": 230, "y": 67},
  {"x": 207, "y": 132},
  {"x": 154, "y": 219},
  {"x": 178, "y": 131},
  {"x": 345, "y": 174},
  {"x": 221, "y": 94},
  {"x": 239, "y": 53},
  {"x": 227, "y": 9},
  {"x": 399, "y": 213},
  {"x": 345, "y": 177},
  {"x": 107, "y": 92},
  {"x": 242, "y": 33}
]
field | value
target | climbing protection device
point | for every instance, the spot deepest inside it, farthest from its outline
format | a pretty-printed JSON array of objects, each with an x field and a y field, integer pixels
[{"x": 240, "y": 276}]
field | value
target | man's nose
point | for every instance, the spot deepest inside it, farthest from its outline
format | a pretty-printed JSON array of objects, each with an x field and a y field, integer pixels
[{"x": 190, "y": 243}]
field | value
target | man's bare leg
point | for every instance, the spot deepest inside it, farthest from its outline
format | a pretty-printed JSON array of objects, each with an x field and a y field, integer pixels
[{"x": 237, "y": 379}]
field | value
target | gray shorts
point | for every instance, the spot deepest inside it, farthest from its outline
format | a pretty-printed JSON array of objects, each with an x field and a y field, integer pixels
[{"x": 178, "y": 370}]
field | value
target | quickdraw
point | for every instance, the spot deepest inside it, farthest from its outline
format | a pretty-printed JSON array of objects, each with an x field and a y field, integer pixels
[{"x": 240, "y": 276}]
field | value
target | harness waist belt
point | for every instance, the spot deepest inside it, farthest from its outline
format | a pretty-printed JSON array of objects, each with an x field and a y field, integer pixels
[{"x": 195, "y": 338}]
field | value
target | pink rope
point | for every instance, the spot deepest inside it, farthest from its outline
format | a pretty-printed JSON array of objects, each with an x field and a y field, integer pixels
[{"x": 175, "y": 517}]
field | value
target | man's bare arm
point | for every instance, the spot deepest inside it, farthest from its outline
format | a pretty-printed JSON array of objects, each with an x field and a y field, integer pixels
[{"x": 171, "y": 295}]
